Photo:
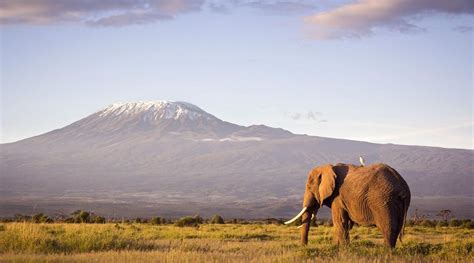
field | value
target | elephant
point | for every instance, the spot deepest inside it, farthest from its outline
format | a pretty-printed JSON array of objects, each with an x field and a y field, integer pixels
[{"x": 367, "y": 195}]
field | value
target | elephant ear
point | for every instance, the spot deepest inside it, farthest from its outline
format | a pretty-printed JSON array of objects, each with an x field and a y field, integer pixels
[{"x": 328, "y": 183}]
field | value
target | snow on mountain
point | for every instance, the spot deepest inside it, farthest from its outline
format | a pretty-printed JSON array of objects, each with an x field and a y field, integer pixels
[{"x": 154, "y": 110}]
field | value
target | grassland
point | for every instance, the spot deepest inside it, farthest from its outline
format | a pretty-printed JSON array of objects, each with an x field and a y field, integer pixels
[{"x": 26, "y": 242}]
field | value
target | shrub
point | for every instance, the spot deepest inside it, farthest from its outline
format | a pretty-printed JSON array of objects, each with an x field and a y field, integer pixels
[
  {"x": 410, "y": 222},
  {"x": 41, "y": 218},
  {"x": 81, "y": 216},
  {"x": 217, "y": 219},
  {"x": 468, "y": 225},
  {"x": 155, "y": 220},
  {"x": 98, "y": 220},
  {"x": 455, "y": 223},
  {"x": 21, "y": 218},
  {"x": 189, "y": 221},
  {"x": 442, "y": 223},
  {"x": 427, "y": 223}
]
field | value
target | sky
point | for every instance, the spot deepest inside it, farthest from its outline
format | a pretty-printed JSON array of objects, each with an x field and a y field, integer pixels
[{"x": 382, "y": 71}]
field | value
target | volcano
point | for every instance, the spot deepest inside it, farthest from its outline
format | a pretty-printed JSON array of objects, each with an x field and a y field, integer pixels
[{"x": 173, "y": 158}]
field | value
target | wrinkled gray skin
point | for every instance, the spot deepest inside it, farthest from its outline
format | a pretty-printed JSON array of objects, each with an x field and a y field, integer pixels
[{"x": 370, "y": 195}]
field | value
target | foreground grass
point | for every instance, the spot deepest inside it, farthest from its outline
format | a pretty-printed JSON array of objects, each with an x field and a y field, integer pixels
[{"x": 222, "y": 243}]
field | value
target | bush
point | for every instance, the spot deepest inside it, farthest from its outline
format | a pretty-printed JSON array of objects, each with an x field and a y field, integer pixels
[
  {"x": 427, "y": 223},
  {"x": 41, "y": 218},
  {"x": 468, "y": 225},
  {"x": 442, "y": 223},
  {"x": 155, "y": 220},
  {"x": 21, "y": 218},
  {"x": 81, "y": 216},
  {"x": 189, "y": 221},
  {"x": 98, "y": 220},
  {"x": 455, "y": 223},
  {"x": 217, "y": 219}
]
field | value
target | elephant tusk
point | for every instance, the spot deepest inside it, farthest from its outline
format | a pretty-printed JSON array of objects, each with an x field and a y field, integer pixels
[
  {"x": 312, "y": 217},
  {"x": 300, "y": 226},
  {"x": 297, "y": 216}
]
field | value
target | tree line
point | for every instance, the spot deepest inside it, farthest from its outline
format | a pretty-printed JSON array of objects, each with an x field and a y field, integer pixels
[{"x": 87, "y": 217}]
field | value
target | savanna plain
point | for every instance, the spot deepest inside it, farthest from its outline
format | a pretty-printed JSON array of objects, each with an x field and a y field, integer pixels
[{"x": 251, "y": 242}]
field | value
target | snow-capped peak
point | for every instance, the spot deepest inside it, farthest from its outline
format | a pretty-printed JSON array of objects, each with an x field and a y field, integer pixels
[{"x": 154, "y": 110}]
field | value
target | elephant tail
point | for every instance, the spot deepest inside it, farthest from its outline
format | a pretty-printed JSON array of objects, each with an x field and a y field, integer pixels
[{"x": 406, "y": 204}]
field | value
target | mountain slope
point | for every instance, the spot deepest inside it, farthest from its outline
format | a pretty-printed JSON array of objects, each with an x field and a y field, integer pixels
[{"x": 168, "y": 155}]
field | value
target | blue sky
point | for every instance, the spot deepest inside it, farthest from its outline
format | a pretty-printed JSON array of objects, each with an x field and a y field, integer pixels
[{"x": 328, "y": 69}]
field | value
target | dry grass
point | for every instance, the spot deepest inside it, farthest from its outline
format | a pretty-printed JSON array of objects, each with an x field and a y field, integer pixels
[{"x": 25, "y": 242}]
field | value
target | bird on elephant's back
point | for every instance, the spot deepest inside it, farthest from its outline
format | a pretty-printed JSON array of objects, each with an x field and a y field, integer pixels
[{"x": 366, "y": 195}]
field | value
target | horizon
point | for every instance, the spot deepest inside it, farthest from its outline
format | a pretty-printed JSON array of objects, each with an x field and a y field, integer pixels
[{"x": 329, "y": 69}]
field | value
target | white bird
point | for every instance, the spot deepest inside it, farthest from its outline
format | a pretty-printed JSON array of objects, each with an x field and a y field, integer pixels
[{"x": 362, "y": 161}]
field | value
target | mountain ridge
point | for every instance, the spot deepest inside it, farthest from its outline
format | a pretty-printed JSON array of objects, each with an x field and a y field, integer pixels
[{"x": 177, "y": 160}]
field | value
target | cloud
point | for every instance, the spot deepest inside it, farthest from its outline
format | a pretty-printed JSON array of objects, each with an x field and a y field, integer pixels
[
  {"x": 233, "y": 139},
  {"x": 265, "y": 6},
  {"x": 103, "y": 12},
  {"x": 129, "y": 18},
  {"x": 364, "y": 17},
  {"x": 281, "y": 7},
  {"x": 296, "y": 116},
  {"x": 313, "y": 116}
]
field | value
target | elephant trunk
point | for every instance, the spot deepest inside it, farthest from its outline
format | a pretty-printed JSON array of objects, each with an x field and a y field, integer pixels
[{"x": 312, "y": 207}]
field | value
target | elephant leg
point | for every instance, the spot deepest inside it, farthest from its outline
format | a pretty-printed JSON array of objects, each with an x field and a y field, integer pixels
[
  {"x": 341, "y": 222},
  {"x": 387, "y": 220}
]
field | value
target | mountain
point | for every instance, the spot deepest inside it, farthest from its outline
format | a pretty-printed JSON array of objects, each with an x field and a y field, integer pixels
[{"x": 173, "y": 159}]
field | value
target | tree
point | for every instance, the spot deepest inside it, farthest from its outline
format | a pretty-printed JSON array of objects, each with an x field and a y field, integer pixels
[
  {"x": 445, "y": 215},
  {"x": 189, "y": 221},
  {"x": 98, "y": 219},
  {"x": 156, "y": 220},
  {"x": 217, "y": 219},
  {"x": 41, "y": 218},
  {"x": 81, "y": 216}
]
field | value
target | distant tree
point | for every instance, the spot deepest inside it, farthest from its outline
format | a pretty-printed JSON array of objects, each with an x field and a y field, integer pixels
[
  {"x": 442, "y": 223},
  {"x": 155, "y": 220},
  {"x": 444, "y": 214},
  {"x": 189, "y": 221},
  {"x": 217, "y": 219},
  {"x": 455, "y": 222},
  {"x": 138, "y": 220},
  {"x": 98, "y": 219},
  {"x": 427, "y": 223},
  {"x": 81, "y": 216},
  {"x": 21, "y": 218},
  {"x": 468, "y": 224},
  {"x": 41, "y": 218},
  {"x": 418, "y": 217}
]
